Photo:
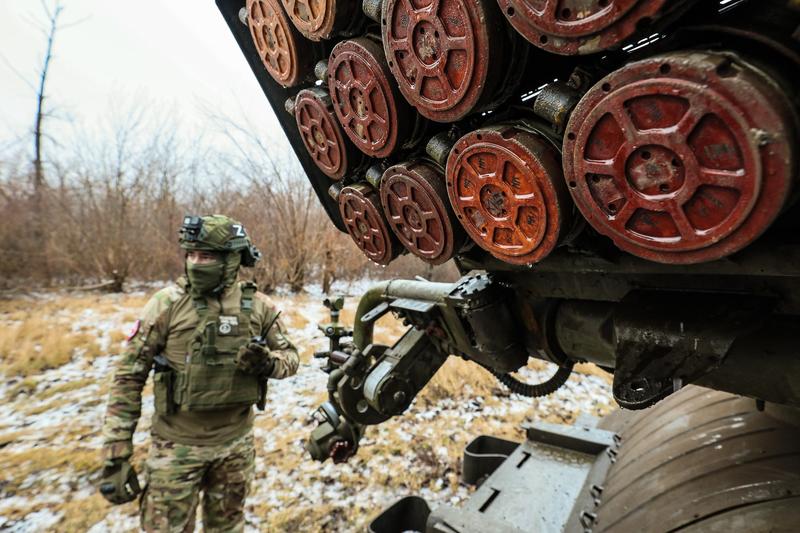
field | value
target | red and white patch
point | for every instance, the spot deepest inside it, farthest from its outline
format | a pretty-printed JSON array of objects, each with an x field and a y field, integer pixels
[{"x": 134, "y": 330}]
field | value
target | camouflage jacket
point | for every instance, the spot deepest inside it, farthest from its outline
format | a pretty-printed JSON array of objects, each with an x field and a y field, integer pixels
[{"x": 168, "y": 320}]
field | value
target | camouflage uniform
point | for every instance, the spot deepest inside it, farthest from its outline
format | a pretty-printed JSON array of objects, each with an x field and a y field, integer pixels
[
  {"x": 176, "y": 472},
  {"x": 202, "y": 435}
]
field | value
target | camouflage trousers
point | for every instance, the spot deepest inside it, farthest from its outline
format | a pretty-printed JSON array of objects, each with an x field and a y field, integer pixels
[{"x": 177, "y": 473}]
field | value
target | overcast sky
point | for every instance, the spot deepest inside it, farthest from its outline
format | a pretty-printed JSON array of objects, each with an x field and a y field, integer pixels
[{"x": 177, "y": 54}]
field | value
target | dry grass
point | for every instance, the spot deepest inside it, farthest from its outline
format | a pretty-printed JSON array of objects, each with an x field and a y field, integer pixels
[
  {"x": 458, "y": 378},
  {"x": 116, "y": 339},
  {"x": 39, "y": 334},
  {"x": 19, "y": 469},
  {"x": 17, "y": 512},
  {"x": 39, "y": 408},
  {"x": 135, "y": 301},
  {"x": 71, "y": 303},
  {"x": 23, "y": 386},
  {"x": 40, "y": 343},
  {"x": 347, "y": 315},
  {"x": 591, "y": 369},
  {"x": 388, "y": 330},
  {"x": 82, "y": 514},
  {"x": 303, "y": 517},
  {"x": 434, "y": 446},
  {"x": 292, "y": 318},
  {"x": 12, "y": 436},
  {"x": 16, "y": 467},
  {"x": 65, "y": 387},
  {"x": 42, "y": 406},
  {"x": 10, "y": 306}
]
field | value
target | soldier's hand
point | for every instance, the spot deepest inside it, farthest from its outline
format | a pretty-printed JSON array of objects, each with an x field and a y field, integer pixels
[
  {"x": 255, "y": 358},
  {"x": 119, "y": 483}
]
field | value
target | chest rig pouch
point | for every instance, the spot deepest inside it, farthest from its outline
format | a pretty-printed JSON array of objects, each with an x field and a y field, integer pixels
[{"x": 210, "y": 379}]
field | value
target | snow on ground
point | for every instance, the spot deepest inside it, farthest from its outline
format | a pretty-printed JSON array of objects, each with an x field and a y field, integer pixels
[{"x": 49, "y": 434}]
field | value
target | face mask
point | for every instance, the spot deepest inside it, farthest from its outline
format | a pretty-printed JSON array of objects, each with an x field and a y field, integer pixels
[
  {"x": 232, "y": 263},
  {"x": 204, "y": 278}
]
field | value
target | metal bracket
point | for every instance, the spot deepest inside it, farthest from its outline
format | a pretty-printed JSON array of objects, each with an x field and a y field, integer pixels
[
  {"x": 538, "y": 485},
  {"x": 483, "y": 455},
  {"x": 582, "y": 439},
  {"x": 387, "y": 387},
  {"x": 375, "y": 313},
  {"x": 417, "y": 306},
  {"x": 666, "y": 340}
]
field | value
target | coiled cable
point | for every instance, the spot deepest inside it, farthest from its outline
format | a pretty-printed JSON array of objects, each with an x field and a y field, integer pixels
[{"x": 539, "y": 389}]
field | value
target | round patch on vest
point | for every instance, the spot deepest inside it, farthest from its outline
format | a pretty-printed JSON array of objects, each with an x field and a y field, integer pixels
[{"x": 228, "y": 325}]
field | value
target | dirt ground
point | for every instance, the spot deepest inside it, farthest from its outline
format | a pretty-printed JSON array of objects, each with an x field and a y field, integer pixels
[{"x": 57, "y": 355}]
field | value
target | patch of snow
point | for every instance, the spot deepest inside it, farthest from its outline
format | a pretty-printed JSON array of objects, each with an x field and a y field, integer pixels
[
  {"x": 118, "y": 520},
  {"x": 284, "y": 475},
  {"x": 35, "y": 522}
]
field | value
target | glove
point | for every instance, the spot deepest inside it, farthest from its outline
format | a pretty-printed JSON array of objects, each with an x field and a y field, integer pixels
[
  {"x": 255, "y": 358},
  {"x": 119, "y": 482}
]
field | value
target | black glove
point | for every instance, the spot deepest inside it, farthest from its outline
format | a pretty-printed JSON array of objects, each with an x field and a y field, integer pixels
[
  {"x": 255, "y": 358},
  {"x": 119, "y": 483}
]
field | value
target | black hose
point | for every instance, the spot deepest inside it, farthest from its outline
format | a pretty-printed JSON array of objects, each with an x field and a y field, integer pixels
[{"x": 539, "y": 389}]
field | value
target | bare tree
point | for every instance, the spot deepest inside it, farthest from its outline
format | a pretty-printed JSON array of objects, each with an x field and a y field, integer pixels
[
  {"x": 124, "y": 179},
  {"x": 38, "y": 176},
  {"x": 291, "y": 223},
  {"x": 41, "y": 95}
]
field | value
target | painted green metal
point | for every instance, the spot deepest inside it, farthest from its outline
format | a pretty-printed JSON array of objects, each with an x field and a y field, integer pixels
[{"x": 418, "y": 290}]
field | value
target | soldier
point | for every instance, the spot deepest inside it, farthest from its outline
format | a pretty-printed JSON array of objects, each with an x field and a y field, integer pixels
[{"x": 212, "y": 342}]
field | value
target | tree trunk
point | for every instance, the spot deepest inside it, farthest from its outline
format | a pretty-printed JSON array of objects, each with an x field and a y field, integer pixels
[{"x": 39, "y": 182}]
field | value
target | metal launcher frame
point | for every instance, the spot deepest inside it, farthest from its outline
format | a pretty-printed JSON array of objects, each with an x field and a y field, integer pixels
[{"x": 616, "y": 181}]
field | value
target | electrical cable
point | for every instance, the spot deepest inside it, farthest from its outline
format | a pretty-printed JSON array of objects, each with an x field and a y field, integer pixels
[{"x": 535, "y": 390}]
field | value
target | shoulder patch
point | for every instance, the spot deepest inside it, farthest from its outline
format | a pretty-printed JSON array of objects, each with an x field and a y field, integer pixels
[{"x": 134, "y": 330}]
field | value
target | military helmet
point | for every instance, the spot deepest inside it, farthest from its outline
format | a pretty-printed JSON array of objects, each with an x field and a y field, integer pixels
[{"x": 218, "y": 233}]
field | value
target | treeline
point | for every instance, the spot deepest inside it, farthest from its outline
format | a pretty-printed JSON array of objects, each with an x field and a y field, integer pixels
[{"x": 108, "y": 206}]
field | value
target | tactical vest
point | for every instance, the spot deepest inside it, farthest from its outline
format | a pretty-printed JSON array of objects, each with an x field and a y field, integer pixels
[{"x": 210, "y": 379}]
